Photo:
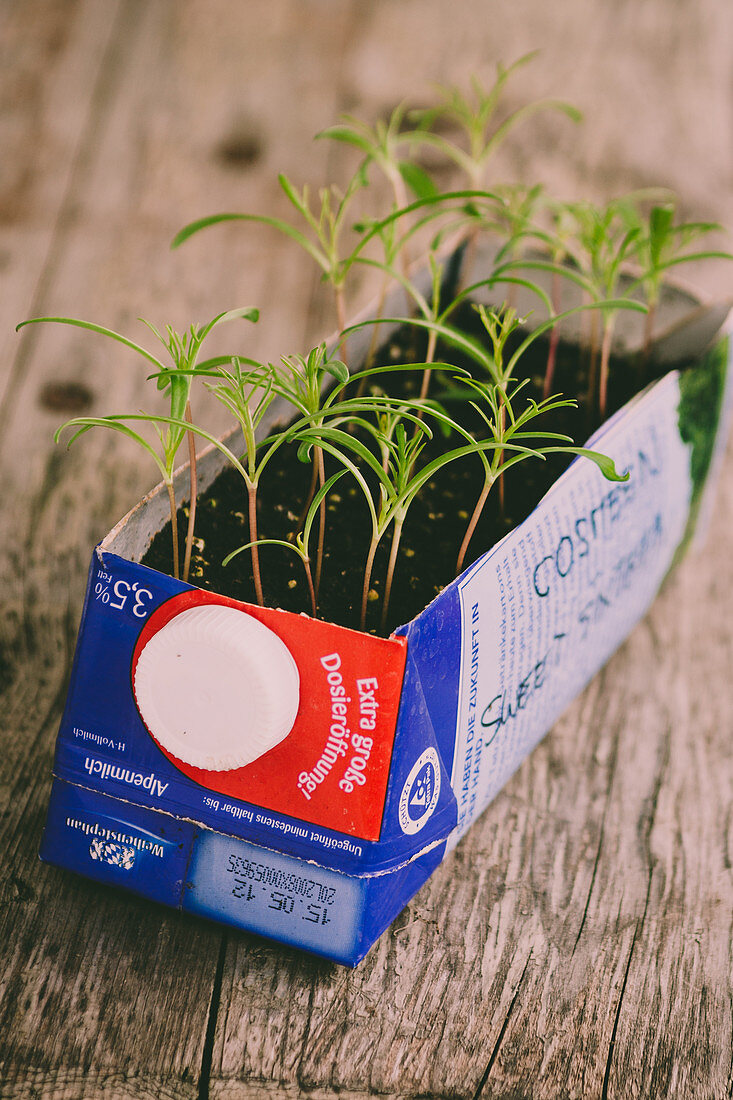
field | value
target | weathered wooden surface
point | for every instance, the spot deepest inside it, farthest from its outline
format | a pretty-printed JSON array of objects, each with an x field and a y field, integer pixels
[{"x": 578, "y": 942}]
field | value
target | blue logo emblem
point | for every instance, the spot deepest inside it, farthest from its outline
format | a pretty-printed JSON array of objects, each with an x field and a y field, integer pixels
[{"x": 420, "y": 792}]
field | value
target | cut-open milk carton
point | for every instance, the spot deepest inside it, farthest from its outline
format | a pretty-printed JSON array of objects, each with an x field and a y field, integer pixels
[{"x": 301, "y": 780}]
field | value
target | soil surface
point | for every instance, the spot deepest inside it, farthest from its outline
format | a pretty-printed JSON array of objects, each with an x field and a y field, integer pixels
[{"x": 437, "y": 519}]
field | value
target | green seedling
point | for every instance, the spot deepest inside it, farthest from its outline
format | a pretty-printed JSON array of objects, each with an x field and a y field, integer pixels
[
  {"x": 434, "y": 317},
  {"x": 500, "y": 367},
  {"x": 428, "y": 306},
  {"x": 474, "y": 115},
  {"x": 391, "y": 245},
  {"x": 302, "y": 381},
  {"x": 248, "y": 394},
  {"x": 510, "y": 436},
  {"x": 596, "y": 256},
  {"x": 398, "y": 454},
  {"x": 394, "y": 471},
  {"x": 607, "y": 243},
  {"x": 474, "y": 348},
  {"x": 394, "y": 246},
  {"x": 324, "y": 227},
  {"x": 519, "y": 207},
  {"x": 382, "y": 144},
  {"x": 174, "y": 379},
  {"x": 476, "y": 118},
  {"x": 247, "y": 389},
  {"x": 391, "y": 470},
  {"x": 378, "y": 415},
  {"x": 301, "y": 543},
  {"x": 120, "y": 423},
  {"x": 557, "y": 242},
  {"x": 500, "y": 326},
  {"x": 660, "y": 245},
  {"x": 506, "y": 215}
]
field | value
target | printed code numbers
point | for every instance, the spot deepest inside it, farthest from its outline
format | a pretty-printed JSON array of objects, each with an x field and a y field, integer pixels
[{"x": 280, "y": 902}]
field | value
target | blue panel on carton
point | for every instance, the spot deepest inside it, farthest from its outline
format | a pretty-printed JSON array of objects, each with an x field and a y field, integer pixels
[
  {"x": 387, "y": 895},
  {"x": 434, "y": 638},
  {"x": 100, "y": 713},
  {"x": 117, "y": 843},
  {"x": 421, "y": 807}
]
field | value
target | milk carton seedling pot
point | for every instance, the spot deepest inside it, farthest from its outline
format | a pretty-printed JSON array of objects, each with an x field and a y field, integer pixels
[
  {"x": 245, "y": 759},
  {"x": 302, "y": 780}
]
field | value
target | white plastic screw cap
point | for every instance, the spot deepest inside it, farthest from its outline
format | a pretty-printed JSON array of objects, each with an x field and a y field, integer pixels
[{"x": 217, "y": 688}]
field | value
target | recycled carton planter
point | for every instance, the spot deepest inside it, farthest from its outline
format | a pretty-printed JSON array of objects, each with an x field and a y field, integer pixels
[{"x": 302, "y": 780}]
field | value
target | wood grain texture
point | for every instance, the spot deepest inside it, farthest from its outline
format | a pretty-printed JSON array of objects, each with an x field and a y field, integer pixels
[{"x": 578, "y": 941}]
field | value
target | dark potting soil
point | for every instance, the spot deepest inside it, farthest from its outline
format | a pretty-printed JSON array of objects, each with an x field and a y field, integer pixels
[{"x": 435, "y": 525}]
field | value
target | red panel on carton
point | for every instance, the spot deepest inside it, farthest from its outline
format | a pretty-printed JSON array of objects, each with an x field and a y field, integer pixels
[{"x": 332, "y": 768}]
